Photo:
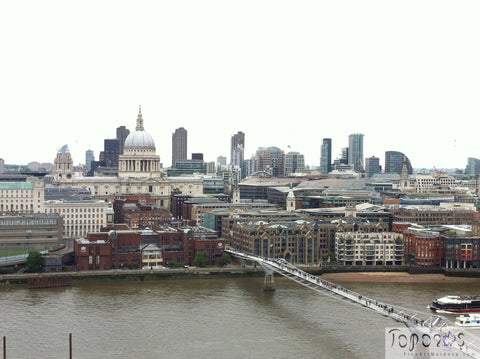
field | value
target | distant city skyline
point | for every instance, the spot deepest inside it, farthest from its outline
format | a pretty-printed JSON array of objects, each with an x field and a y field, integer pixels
[
  {"x": 403, "y": 74},
  {"x": 211, "y": 157}
]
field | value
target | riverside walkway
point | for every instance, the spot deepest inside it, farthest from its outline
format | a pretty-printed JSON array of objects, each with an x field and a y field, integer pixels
[{"x": 418, "y": 322}]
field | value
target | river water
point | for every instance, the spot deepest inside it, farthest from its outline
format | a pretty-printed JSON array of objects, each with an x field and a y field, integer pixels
[{"x": 203, "y": 318}]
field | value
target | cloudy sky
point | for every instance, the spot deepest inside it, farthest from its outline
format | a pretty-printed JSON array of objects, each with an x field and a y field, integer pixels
[{"x": 406, "y": 74}]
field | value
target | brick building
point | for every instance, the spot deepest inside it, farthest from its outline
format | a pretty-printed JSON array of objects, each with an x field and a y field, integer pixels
[
  {"x": 423, "y": 246},
  {"x": 182, "y": 244},
  {"x": 462, "y": 251},
  {"x": 114, "y": 249},
  {"x": 301, "y": 242},
  {"x": 432, "y": 215}
]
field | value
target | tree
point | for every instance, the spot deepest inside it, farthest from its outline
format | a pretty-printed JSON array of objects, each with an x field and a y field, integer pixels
[
  {"x": 200, "y": 259},
  {"x": 176, "y": 190},
  {"x": 330, "y": 257},
  {"x": 34, "y": 262},
  {"x": 225, "y": 259}
]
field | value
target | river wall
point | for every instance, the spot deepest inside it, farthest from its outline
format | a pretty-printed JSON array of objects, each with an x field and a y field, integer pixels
[
  {"x": 138, "y": 275},
  {"x": 228, "y": 272}
]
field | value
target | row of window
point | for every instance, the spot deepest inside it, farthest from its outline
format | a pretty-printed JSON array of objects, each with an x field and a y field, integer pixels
[{"x": 77, "y": 210}]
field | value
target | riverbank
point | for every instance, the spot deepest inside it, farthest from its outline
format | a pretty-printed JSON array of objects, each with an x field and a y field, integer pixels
[
  {"x": 238, "y": 271},
  {"x": 397, "y": 277},
  {"x": 141, "y": 275}
]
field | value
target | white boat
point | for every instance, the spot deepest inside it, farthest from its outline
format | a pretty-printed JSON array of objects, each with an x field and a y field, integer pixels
[{"x": 469, "y": 320}]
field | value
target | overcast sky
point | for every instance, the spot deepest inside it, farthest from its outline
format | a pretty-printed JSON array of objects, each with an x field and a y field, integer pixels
[{"x": 406, "y": 74}]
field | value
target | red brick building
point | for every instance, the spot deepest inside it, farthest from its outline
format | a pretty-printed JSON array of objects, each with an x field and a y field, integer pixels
[
  {"x": 114, "y": 249},
  {"x": 139, "y": 215},
  {"x": 121, "y": 247},
  {"x": 182, "y": 244},
  {"x": 119, "y": 200},
  {"x": 423, "y": 246}
]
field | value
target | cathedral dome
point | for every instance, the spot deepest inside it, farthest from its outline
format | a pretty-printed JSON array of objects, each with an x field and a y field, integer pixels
[{"x": 139, "y": 139}]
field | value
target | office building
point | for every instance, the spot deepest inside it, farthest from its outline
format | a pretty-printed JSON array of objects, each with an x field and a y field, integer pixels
[
  {"x": 372, "y": 166},
  {"x": 122, "y": 134},
  {"x": 31, "y": 231},
  {"x": 80, "y": 216},
  {"x": 179, "y": 145},
  {"x": 294, "y": 163},
  {"x": 270, "y": 160},
  {"x": 355, "y": 151},
  {"x": 111, "y": 151},
  {"x": 473, "y": 166},
  {"x": 326, "y": 156},
  {"x": 197, "y": 156},
  {"x": 21, "y": 195},
  {"x": 394, "y": 162},
  {"x": 237, "y": 149},
  {"x": 89, "y": 158}
]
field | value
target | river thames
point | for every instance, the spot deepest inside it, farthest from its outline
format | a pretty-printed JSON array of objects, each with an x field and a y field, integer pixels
[{"x": 205, "y": 318}]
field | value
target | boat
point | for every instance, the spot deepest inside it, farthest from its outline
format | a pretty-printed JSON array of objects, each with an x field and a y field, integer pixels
[
  {"x": 456, "y": 304},
  {"x": 469, "y": 320}
]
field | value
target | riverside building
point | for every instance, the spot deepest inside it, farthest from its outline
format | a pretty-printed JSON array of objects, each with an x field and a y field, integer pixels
[{"x": 369, "y": 249}]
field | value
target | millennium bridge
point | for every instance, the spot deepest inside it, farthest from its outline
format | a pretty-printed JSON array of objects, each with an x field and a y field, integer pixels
[{"x": 420, "y": 324}]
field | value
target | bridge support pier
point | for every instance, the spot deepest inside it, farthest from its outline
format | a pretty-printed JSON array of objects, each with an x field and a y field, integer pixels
[{"x": 269, "y": 283}]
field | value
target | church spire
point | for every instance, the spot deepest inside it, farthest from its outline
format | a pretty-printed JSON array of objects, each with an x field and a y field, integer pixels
[{"x": 139, "y": 120}]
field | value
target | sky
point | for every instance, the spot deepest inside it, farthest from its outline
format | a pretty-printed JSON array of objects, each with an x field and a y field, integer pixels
[{"x": 406, "y": 74}]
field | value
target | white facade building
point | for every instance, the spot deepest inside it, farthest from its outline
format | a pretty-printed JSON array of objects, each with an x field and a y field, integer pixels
[
  {"x": 383, "y": 248},
  {"x": 22, "y": 197},
  {"x": 80, "y": 217}
]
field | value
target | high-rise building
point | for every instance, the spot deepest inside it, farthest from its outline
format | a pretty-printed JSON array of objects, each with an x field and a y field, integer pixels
[
  {"x": 179, "y": 145},
  {"x": 270, "y": 160},
  {"x": 237, "y": 149},
  {"x": 355, "y": 151},
  {"x": 89, "y": 157},
  {"x": 122, "y": 134},
  {"x": 473, "y": 166},
  {"x": 110, "y": 153},
  {"x": 2, "y": 165},
  {"x": 221, "y": 161},
  {"x": 394, "y": 162},
  {"x": 372, "y": 166},
  {"x": 326, "y": 156},
  {"x": 344, "y": 156},
  {"x": 294, "y": 163},
  {"x": 197, "y": 156}
]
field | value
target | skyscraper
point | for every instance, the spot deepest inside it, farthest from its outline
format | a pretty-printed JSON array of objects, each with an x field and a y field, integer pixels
[
  {"x": 122, "y": 134},
  {"x": 271, "y": 159},
  {"x": 394, "y": 162},
  {"x": 355, "y": 151},
  {"x": 473, "y": 166},
  {"x": 372, "y": 166},
  {"x": 179, "y": 145},
  {"x": 237, "y": 149},
  {"x": 326, "y": 156},
  {"x": 110, "y": 153},
  {"x": 294, "y": 163},
  {"x": 89, "y": 157}
]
